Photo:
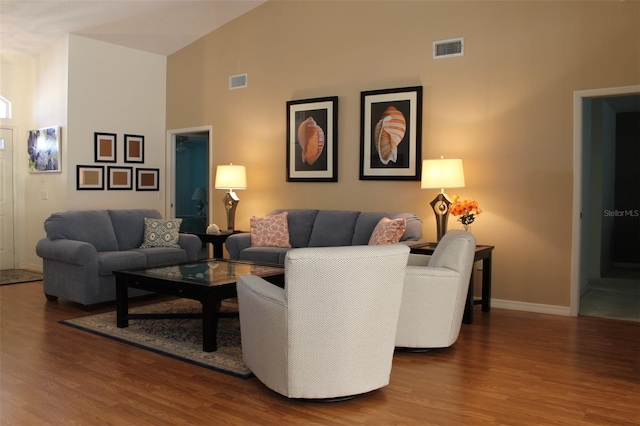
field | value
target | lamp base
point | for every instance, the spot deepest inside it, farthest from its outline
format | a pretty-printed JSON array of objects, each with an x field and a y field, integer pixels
[
  {"x": 231, "y": 201},
  {"x": 440, "y": 206}
]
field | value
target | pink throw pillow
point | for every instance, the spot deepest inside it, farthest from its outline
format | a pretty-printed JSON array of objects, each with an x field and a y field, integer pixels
[
  {"x": 270, "y": 231},
  {"x": 388, "y": 231}
]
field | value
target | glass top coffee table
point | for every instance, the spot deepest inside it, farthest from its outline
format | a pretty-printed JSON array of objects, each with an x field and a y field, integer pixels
[{"x": 209, "y": 281}]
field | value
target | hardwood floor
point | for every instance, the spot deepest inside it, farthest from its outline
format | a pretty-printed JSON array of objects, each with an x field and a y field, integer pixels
[{"x": 507, "y": 368}]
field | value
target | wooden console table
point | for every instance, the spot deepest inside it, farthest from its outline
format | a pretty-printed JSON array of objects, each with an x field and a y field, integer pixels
[
  {"x": 217, "y": 241},
  {"x": 483, "y": 253}
]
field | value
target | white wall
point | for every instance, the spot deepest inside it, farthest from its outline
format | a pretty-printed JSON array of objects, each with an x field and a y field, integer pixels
[{"x": 118, "y": 90}]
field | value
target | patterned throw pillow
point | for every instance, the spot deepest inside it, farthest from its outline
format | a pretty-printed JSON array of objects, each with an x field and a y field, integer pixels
[
  {"x": 161, "y": 233},
  {"x": 270, "y": 231},
  {"x": 388, "y": 231}
]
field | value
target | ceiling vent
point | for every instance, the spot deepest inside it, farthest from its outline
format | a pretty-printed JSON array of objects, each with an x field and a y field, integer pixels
[
  {"x": 238, "y": 81},
  {"x": 448, "y": 48}
]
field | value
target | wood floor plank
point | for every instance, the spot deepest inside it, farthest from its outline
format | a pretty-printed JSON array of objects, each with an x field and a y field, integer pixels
[{"x": 507, "y": 368}]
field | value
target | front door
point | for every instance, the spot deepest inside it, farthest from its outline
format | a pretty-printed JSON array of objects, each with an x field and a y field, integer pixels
[{"x": 6, "y": 199}]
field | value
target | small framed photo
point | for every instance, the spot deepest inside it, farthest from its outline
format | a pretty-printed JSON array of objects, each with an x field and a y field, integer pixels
[
  {"x": 147, "y": 179},
  {"x": 391, "y": 134},
  {"x": 43, "y": 148},
  {"x": 133, "y": 149},
  {"x": 90, "y": 178},
  {"x": 119, "y": 177},
  {"x": 312, "y": 140},
  {"x": 105, "y": 147}
]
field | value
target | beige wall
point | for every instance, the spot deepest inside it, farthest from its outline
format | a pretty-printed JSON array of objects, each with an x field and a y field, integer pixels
[{"x": 505, "y": 107}]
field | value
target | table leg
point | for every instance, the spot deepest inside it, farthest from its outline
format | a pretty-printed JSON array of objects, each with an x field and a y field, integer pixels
[
  {"x": 467, "y": 318},
  {"x": 210, "y": 312},
  {"x": 486, "y": 284},
  {"x": 122, "y": 303}
]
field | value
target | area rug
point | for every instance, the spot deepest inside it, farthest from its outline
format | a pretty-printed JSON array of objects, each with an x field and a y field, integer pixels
[
  {"x": 180, "y": 338},
  {"x": 15, "y": 276}
]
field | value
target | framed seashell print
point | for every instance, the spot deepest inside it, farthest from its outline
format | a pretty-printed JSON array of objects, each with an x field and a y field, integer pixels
[
  {"x": 391, "y": 134},
  {"x": 312, "y": 140}
]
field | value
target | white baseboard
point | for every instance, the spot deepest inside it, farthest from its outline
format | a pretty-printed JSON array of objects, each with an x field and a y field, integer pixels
[
  {"x": 30, "y": 267},
  {"x": 530, "y": 307}
]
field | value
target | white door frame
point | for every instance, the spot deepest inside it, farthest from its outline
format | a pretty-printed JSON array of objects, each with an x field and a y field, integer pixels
[
  {"x": 170, "y": 199},
  {"x": 576, "y": 237}
]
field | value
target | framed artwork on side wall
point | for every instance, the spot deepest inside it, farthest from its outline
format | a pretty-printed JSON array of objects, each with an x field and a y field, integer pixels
[
  {"x": 90, "y": 178},
  {"x": 43, "y": 148},
  {"x": 147, "y": 179},
  {"x": 105, "y": 147},
  {"x": 119, "y": 177},
  {"x": 133, "y": 149},
  {"x": 391, "y": 134}
]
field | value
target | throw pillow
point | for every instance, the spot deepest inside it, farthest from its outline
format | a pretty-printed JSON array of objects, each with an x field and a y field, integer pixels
[
  {"x": 270, "y": 231},
  {"x": 388, "y": 231},
  {"x": 161, "y": 233}
]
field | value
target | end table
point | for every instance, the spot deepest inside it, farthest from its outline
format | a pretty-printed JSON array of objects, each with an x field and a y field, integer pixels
[{"x": 217, "y": 241}]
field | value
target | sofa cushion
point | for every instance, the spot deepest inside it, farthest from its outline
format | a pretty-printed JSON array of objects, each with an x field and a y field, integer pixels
[
  {"x": 162, "y": 255},
  {"x": 270, "y": 231},
  {"x": 388, "y": 231},
  {"x": 366, "y": 223},
  {"x": 129, "y": 226},
  {"x": 274, "y": 255},
  {"x": 109, "y": 261},
  {"x": 161, "y": 233},
  {"x": 91, "y": 226},
  {"x": 300, "y": 225},
  {"x": 333, "y": 228}
]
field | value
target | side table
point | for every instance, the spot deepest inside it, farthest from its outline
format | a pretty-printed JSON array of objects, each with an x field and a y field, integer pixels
[
  {"x": 483, "y": 253},
  {"x": 217, "y": 241}
]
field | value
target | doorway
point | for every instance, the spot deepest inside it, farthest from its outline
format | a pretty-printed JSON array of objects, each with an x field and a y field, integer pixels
[
  {"x": 7, "y": 255},
  {"x": 606, "y": 220},
  {"x": 189, "y": 175}
]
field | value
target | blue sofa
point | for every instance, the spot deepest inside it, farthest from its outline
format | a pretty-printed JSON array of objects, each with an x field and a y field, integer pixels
[
  {"x": 84, "y": 247},
  {"x": 322, "y": 228}
]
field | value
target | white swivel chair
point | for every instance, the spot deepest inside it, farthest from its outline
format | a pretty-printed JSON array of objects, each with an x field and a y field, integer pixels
[
  {"x": 330, "y": 332},
  {"x": 435, "y": 292}
]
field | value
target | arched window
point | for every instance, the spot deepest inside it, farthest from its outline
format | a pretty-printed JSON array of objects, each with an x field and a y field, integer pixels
[{"x": 5, "y": 107}]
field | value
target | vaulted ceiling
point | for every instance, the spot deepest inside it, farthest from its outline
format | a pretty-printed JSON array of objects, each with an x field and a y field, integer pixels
[{"x": 158, "y": 26}]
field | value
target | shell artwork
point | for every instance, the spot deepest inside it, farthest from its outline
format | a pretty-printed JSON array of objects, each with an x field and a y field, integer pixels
[
  {"x": 389, "y": 133},
  {"x": 311, "y": 139}
]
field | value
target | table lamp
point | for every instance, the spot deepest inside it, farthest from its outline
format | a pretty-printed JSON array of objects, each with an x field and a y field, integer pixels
[
  {"x": 442, "y": 173},
  {"x": 200, "y": 195},
  {"x": 231, "y": 177}
]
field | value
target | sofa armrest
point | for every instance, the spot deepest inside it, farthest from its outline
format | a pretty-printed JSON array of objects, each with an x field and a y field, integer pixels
[
  {"x": 67, "y": 251},
  {"x": 236, "y": 243},
  {"x": 191, "y": 244}
]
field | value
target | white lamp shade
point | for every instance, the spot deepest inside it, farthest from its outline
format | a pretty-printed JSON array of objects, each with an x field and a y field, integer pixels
[
  {"x": 442, "y": 173},
  {"x": 231, "y": 177}
]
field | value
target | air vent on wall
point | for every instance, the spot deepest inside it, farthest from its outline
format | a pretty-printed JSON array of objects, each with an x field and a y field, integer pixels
[
  {"x": 448, "y": 48},
  {"x": 238, "y": 81}
]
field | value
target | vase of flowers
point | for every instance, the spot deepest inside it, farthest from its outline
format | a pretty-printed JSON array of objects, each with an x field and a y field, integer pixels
[{"x": 466, "y": 209}]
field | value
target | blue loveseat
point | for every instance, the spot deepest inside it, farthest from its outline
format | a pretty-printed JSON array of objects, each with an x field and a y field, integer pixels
[
  {"x": 322, "y": 228},
  {"x": 84, "y": 247}
]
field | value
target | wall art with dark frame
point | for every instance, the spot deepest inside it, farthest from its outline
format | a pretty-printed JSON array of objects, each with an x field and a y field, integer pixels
[
  {"x": 89, "y": 177},
  {"x": 147, "y": 179},
  {"x": 312, "y": 140},
  {"x": 105, "y": 147},
  {"x": 133, "y": 148},
  {"x": 119, "y": 177},
  {"x": 43, "y": 148},
  {"x": 391, "y": 134}
]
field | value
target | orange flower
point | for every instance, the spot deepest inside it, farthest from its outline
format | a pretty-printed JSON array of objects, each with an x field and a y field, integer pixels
[{"x": 466, "y": 209}]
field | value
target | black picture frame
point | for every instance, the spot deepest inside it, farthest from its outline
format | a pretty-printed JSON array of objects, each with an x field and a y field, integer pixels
[
  {"x": 388, "y": 109},
  {"x": 89, "y": 178},
  {"x": 305, "y": 162},
  {"x": 133, "y": 148},
  {"x": 105, "y": 147},
  {"x": 147, "y": 179},
  {"x": 119, "y": 178}
]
